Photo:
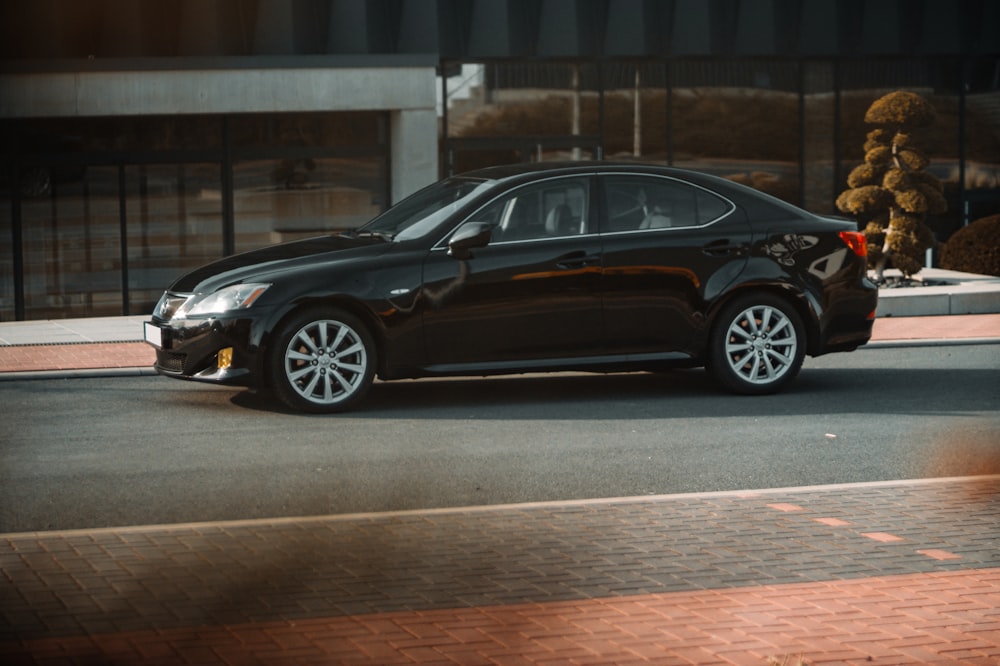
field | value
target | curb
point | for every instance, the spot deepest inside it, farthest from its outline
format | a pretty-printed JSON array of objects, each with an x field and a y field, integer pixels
[
  {"x": 149, "y": 371},
  {"x": 928, "y": 342},
  {"x": 544, "y": 505},
  {"x": 79, "y": 373}
]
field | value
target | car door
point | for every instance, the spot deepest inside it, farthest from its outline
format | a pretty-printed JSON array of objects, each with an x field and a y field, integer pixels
[
  {"x": 669, "y": 247},
  {"x": 531, "y": 294}
]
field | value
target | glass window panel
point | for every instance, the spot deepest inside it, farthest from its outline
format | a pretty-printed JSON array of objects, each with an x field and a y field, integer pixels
[
  {"x": 739, "y": 120},
  {"x": 313, "y": 130},
  {"x": 7, "y": 296},
  {"x": 503, "y": 113},
  {"x": 819, "y": 188},
  {"x": 72, "y": 257},
  {"x": 982, "y": 141},
  {"x": 134, "y": 134},
  {"x": 299, "y": 175},
  {"x": 174, "y": 224},
  {"x": 635, "y": 112},
  {"x": 278, "y": 200}
]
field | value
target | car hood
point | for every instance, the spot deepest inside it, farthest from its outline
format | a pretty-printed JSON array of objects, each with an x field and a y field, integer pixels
[{"x": 276, "y": 259}]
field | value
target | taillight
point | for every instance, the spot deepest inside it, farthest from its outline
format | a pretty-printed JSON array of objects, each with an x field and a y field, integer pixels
[{"x": 856, "y": 241}]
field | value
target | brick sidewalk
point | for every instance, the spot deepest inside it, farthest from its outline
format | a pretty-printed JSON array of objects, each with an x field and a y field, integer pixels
[
  {"x": 936, "y": 618},
  {"x": 903, "y": 572},
  {"x": 76, "y": 356},
  {"x": 936, "y": 328}
]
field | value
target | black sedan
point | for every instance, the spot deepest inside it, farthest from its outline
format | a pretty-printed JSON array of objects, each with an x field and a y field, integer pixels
[{"x": 583, "y": 266}]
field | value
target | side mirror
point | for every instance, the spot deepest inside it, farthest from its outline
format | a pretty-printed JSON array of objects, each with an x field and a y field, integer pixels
[{"x": 468, "y": 237}]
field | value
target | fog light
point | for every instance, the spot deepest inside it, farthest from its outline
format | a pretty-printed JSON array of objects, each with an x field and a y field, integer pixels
[{"x": 224, "y": 358}]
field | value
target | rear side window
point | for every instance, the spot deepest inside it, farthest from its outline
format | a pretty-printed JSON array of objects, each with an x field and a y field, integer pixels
[{"x": 647, "y": 202}]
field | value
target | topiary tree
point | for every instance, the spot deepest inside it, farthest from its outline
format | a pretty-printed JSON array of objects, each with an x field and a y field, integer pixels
[{"x": 891, "y": 193}]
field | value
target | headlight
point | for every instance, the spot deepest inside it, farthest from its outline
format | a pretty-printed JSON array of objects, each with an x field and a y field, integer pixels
[{"x": 235, "y": 297}]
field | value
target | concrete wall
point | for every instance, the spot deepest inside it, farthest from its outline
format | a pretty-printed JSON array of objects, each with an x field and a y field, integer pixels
[{"x": 408, "y": 93}]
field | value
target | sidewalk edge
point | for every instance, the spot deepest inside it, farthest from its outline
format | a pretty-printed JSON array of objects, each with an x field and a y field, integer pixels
[
  {"x": 78, "y": 373},
  {"x": 749, "y": 493},
  {"x": 930, "y": 342}
]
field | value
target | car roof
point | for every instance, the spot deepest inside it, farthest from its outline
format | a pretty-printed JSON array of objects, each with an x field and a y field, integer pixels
[
  {"x": 504, "y": 171},
  {"x": 759, "y": 204}
]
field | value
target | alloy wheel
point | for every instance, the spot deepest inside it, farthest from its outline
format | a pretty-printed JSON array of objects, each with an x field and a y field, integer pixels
[
  {"x": 761, "y": 345},
  {"x": 326, "y": 362}
]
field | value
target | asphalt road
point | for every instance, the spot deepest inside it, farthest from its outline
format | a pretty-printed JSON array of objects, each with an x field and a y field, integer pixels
[{"x": 80, "y": 453}]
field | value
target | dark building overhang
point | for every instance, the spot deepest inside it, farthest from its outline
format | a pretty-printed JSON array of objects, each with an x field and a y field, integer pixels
[{"x": 497, "y": 29}]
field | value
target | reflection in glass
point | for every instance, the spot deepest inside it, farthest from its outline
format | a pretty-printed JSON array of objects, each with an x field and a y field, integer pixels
[
  {"x": 819, "y": 189},
  {"x": 635, "y": 112},
  {"x": 279, "y": 200},
  {"x": 310, "y": 130},
  {"x": 71, "y": 244},
  {"x": 982, "y": 141},
  {"x": 738, "y": 120},
  {"x": 174, "y": 223},
  {"x": 304, "y": 174},
  {"x": 7, "y": 309},
  {"x": 504, "y": 113}
]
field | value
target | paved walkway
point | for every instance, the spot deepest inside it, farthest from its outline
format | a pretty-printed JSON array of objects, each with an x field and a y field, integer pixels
[
  {"x": 884, "y": 573},
  {"x": 888, "y": 573}
]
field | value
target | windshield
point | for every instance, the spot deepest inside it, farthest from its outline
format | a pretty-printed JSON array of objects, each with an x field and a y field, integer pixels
[{"x": 422, "y": 212}]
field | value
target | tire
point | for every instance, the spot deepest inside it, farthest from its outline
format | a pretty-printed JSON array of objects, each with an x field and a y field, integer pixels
[
  {"x": 323, "y": 361},
  {"x": 757, "y": 345}
]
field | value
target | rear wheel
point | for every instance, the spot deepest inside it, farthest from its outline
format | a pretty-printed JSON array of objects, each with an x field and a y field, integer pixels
[
  {"x": 757, "y": 345},
  {"x": 322, "y": 361}
]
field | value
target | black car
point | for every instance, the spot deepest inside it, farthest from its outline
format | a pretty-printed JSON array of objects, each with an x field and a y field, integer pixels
[{"x": 583, "y": 266}]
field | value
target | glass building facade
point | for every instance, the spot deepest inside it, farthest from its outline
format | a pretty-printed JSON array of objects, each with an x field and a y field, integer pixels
[
  {"x": 791, "y": 127},
  {"x": 104, "y": 199},
  {"x": 107, "y": 213}
]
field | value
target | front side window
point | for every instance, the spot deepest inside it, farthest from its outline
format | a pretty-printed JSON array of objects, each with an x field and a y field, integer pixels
[
  {"x": 641, "y": 202},
  {"x": 552, "y": 209}
]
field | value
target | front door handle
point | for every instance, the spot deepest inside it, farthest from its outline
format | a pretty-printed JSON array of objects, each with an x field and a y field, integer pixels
[{"x": 578, "y": 259}]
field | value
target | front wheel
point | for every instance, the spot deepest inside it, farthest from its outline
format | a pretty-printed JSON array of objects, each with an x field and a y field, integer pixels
[
  {"x": 323, "y": 361},
  {"x": 757, "y": 345}
]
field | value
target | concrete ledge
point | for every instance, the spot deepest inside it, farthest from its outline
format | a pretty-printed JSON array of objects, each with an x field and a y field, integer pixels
[
  {"x": 142, "y": 93},
  {"x": 73, "y": 331},
  {"x": 948, "y": 293}
]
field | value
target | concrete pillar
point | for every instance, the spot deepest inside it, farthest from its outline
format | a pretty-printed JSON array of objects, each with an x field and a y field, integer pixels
[{"x": 414, "y": 151}]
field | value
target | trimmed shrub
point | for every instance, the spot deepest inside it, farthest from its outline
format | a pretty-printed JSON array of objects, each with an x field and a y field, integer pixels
[
  {"x": 891, "y": 193},
  {"x": 975, "y": 248}
]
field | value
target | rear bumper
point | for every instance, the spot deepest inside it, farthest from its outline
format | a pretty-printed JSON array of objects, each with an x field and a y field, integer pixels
[{"x": 848, "y": 320}]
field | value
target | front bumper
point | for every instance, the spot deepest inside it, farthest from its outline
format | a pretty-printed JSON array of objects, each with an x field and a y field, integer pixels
[{"x": 190, "y": 349}]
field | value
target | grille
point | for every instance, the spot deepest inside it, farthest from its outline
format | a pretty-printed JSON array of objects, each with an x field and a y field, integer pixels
[{"x": 170, "y": 362}]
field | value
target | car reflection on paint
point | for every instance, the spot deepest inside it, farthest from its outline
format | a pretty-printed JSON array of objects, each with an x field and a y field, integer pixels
[{"x": 583, "y": 266}]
